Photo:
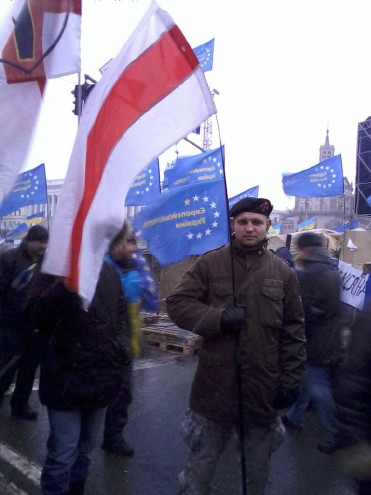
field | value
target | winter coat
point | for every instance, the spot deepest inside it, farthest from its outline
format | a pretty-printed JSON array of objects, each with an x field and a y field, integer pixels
[
  {"x": 83, "y": 352},
  {"x": 272, "y": 345},
  {"x": 16, "y": 269},
  {"x": 320, "y": 291},
  {"x": 353, "y": 390}
]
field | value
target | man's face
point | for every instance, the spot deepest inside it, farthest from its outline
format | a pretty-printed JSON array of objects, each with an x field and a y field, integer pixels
[
  {"x": 250, "y": 229},
  {"x": 36, "y": 249},
  {"x": 124, "y": 250}
]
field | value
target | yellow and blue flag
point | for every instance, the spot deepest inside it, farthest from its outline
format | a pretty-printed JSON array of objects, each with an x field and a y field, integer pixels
[
  {"x": 307, "y": 224},
  {"x": 274, "y": 230},
  {"x": 35, "y": 218}
]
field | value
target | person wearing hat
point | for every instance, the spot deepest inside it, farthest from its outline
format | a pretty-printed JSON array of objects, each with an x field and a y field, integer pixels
[
  {"x": 244, "y": 301},
  {"x": 320, "y": 290},
  {"x": 18, "y": 342}
]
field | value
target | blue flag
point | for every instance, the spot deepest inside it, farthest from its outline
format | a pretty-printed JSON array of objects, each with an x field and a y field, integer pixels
[
  {"x": 274, "y": 230},
  {"x": 307, "y": 224},
  {"x": 185, "y": 221},
  {"x": 253, "y": 192},
  {"x": 195, "y": 169},
  {"x": 322, "y": 180},
  {"x": 22, "y": 227},
  {"x": 347, "y": 226},
  {"x": 145, "y": 187},
  {"x": 35, "y": 218},
  {"x": 205, "y": 55},
  {"x": 29, "y": 189}
]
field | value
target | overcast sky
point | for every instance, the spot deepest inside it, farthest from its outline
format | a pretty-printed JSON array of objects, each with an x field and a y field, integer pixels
[{"x": 285, "y": 70}]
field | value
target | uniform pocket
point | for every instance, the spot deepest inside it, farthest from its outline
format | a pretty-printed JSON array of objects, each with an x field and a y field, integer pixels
[
  {"x": 221, "y": 292},
  {"x": 271, "y": 306}
]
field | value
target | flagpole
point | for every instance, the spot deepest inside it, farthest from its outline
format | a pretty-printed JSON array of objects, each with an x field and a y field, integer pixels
[{"x": 241, "y": 422}]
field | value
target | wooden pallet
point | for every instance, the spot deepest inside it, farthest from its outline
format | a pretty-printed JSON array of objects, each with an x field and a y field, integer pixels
[{"x": 166, "y": 336}]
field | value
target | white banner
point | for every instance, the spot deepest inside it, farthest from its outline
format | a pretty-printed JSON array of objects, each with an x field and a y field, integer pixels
[{"x": 352, "y": 285}]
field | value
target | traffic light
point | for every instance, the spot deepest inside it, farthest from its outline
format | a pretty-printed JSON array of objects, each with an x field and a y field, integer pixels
[
  {"x": 77, "y": 102},
  {"x": 81, "y": 93},
  {"x": 86, "y": 90}
]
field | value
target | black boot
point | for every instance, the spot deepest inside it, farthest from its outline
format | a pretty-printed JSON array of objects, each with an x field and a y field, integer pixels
[{"x": 77, "y": 487}]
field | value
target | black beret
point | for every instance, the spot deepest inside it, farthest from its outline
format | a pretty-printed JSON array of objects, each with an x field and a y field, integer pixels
[
  {"x": 37, "y": 233},
  {"x": 252, "y": 205},
  {"x": 308, "y": 239}
]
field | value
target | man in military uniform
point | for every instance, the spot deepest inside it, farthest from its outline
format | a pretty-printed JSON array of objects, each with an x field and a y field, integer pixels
[{"x": 244, "y": 301}]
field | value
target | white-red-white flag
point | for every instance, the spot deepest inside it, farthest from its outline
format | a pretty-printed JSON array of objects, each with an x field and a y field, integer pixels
[
  {"x": 39, "y": 39},
  {"x": 150, "y": 96}
]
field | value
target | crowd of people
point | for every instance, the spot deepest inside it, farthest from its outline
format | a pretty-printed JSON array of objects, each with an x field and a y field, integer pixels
[
  {"x": 85, "y": 356},
  {"x": 271, "y": 350}
]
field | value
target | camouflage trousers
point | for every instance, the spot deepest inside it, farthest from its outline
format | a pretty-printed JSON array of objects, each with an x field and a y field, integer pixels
[{"x": 207, "y": 439}]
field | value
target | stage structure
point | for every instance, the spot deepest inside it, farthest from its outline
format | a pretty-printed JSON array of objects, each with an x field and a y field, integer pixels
[{"x": 362, "y": 204}]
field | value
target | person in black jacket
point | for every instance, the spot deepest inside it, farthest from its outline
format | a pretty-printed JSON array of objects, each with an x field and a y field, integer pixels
[
  {"x": 353, "y": 399},
  {"x": 83, "y": 357},
  {"x": 18, "y": 340},
  {"x": 320, "y": 291}
]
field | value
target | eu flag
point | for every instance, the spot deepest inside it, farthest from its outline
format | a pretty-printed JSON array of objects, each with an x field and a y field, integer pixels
[
  {"x": 185, "y": 221},
  {"x": 196, "y": 168},
  {"x": 205, "y": 55},
  {"x": 346, "y": 226},
  {"x": 29, "y": 189},
  {"x": 253, "y": 192},
  {"x": 322, "y": 180},
  {"x": 145, "y": 187}
]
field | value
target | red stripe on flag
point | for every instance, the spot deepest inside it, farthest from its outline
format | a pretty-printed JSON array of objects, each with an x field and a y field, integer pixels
[{"x": 146, "y": 81}]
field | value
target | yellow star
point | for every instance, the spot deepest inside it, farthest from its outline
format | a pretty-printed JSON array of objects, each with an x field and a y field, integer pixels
[{"x": 187, "y": 202}]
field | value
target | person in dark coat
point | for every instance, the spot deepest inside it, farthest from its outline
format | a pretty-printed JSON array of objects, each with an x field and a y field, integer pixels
[
  {"x": 284, "y": 253},
  {"x": 320, "y": 291},
  {"x": 19, "y": 349},
  {"x": 140, "y": 291},
  {"x": 252, "y": 358},
  {"x": 353, "y": 399},
  {"x": 83, "y": 356}
]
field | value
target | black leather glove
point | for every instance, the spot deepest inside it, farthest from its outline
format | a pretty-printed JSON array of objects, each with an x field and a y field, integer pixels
[
  {"x": 233, "y": 319},
  {"x": 286, "y": 397}
]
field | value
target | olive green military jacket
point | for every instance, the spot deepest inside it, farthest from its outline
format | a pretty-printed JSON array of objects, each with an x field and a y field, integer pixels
[{"x": 272, "y": 345}]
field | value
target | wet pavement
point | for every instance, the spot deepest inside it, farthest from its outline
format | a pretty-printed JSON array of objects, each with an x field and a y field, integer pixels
[{"x": 162, "y": 383}]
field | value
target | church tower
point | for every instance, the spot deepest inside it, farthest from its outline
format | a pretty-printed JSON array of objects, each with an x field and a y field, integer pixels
[{"x": 326, "y": 150}]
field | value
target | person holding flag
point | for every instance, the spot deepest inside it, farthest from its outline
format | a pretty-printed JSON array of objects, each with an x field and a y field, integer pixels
[
  {"x": 83, "y": 358},
  {"x": 140, "y": 292},
  {"x": 244, "y": 301}
]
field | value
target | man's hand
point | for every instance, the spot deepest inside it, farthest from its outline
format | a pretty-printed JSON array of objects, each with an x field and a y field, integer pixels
[{"x": 233, "y": 319}]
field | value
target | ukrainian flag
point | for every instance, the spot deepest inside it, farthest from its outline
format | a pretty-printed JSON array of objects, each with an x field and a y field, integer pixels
[
  {"x": 307, "y": 224},
  {"x": 35, "y": 218},
  {"x": 274, "y": 230}
]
